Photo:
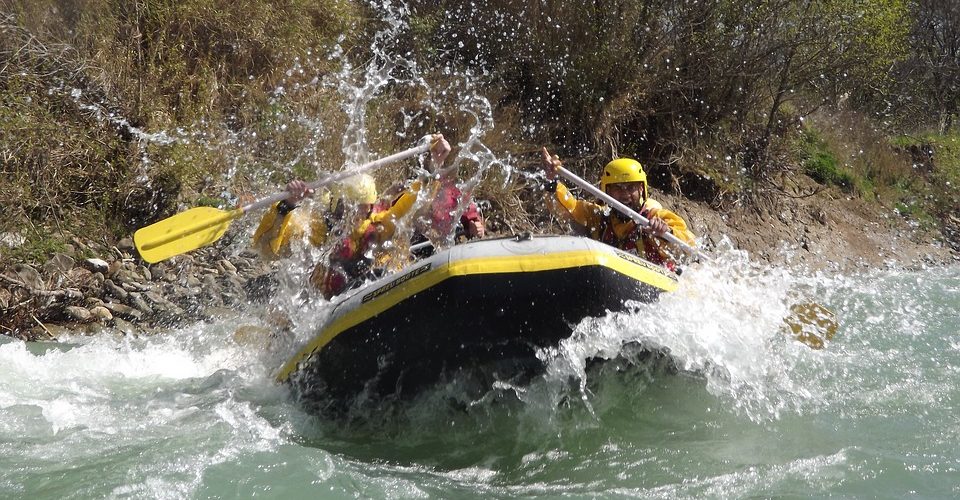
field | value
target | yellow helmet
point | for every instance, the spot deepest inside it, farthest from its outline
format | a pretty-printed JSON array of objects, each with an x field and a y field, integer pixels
[
  {"x": 360, "y": 188},
  {"x": 623, "y": 170}
]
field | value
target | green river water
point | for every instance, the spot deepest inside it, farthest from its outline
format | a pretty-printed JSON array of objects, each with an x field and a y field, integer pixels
[{"x": 745, "y": 412}]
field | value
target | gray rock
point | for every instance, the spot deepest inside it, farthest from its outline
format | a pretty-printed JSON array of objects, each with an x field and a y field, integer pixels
[
  {"x": 227, "y": 266},
  {"x": 92, "y": 328},
  {"x": 157, "y": 269},
  {"x": 234, "y": 284},
  {"x": 210, "y": 294},
  {"x": 92, "y": 302},
  {"x": 59, "y": 264},
  {"x": 78, "y": 314},
  {"x": 50, "y": 331},
  {"x": 156, "y": 298},
  {"x": 125, "y": 327},
  {"x": 95, "y": 265},
  {"x": 110, "y": 288},
  {"x": 102, "y": 314},
  {"x": 123, "y": 311},
  {"x": 29, "y": 277},
  {"x": 820, "y": 216},
  {"x": 229, "y": 299},
  {"x": 113, "y": 268},
  {"x": 127, "y": 276},
  {"x": 126, "y": 245},
  {"x": 216, "y": 312},
  {"x": 137, "y": 300},
  {"x": 134, "y": 286},
  {"x": 183, "y": 260},
  {"x": 12, "y": 240},
  {"x": 261, "y": 288},
  {"x": 145, "y": 272},
  {"x": 170, "y": 314},
  {"x": 81, "y": 278}
]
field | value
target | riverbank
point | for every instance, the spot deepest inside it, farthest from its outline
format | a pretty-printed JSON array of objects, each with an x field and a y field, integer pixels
[
  {"x": 828, "y": 231},
  {"x": 115, "y": 291}
]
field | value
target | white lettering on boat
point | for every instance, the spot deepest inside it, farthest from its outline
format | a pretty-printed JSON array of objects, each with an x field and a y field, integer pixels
[{"x": 395, "y": 283}]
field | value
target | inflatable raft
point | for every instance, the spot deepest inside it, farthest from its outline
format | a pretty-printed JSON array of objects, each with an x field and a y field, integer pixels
[{"x": 482, "y": 303}]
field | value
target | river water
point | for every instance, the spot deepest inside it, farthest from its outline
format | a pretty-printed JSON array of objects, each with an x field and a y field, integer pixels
[{"x": 737, "y": 408}]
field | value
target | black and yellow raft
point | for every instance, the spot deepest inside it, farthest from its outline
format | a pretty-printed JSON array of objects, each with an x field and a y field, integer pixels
[{"x": 475, "y": 304}]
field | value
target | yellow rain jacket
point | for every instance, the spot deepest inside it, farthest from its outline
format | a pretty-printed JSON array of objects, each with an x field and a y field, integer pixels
[
  {"x": 604, "y": 224},
  {"x": 272, "y": 238}
]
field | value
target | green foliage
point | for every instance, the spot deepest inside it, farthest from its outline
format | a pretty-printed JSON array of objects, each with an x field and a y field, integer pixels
[
  {"x": 915, "y": 207},
  {"x": 661, "y": 77},
  {"x": 303, "y": 171},
  {"x": 939, "y": 170},
  {"x": 36, "y": 249},
  {"x": 211, "y": 201},
  {"x": 923, "y": 94},
  {"x": 821, "y": 164}
]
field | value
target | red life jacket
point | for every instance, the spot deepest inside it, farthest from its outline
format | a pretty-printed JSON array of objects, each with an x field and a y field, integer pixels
[{"x": 634, "y": 241}]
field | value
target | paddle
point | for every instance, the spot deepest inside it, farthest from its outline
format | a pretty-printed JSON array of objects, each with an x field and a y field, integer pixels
[
  {"x": 625, "y": 210},
  {"x": 201, "y": 226},
  {"x": 810, "y": 323}
]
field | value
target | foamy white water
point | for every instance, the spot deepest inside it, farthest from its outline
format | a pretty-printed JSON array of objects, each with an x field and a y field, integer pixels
[{"x": 192, "y": 413}]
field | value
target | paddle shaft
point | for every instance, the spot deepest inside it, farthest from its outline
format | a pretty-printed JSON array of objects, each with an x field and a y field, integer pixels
[
  {"x": 339, "y": 176},
  {"x": 643, "y": 221}
]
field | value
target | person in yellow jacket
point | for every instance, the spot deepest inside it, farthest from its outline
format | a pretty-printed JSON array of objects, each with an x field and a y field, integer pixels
[
  {"x": 356, "y": 226},
  {"x": 281, "y": 226},
  {"x": 625, "y": 181}
]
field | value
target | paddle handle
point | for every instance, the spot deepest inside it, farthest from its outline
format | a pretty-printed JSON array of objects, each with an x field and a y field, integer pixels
[
  {"x": 629, "y": 212},
  {"x": 339, "y": 176}
]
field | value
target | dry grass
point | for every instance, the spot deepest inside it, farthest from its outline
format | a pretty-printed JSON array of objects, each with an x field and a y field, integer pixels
[{"x": 81, "y": 82}]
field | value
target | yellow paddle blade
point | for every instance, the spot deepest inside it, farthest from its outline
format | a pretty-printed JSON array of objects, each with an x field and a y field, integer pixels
[
  {"x": 183, "y": 232},
  {"x": 812, "y": 324}
]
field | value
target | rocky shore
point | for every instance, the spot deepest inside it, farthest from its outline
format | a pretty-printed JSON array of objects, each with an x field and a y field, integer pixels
[{"x": 118, "y": 291}]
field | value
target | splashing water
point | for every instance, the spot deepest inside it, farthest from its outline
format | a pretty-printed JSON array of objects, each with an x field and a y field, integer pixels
[{"x": 735, "y": 408}]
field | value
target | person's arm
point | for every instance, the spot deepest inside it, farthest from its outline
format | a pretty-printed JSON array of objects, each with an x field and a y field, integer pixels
[
  {"x": 277, "y": 227},
  {"x": 472, "y": 222},
  {"x": 584, "y": 213},
  {"x": 439, "y": 150},
  {"x": 675, "y": 223}
]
